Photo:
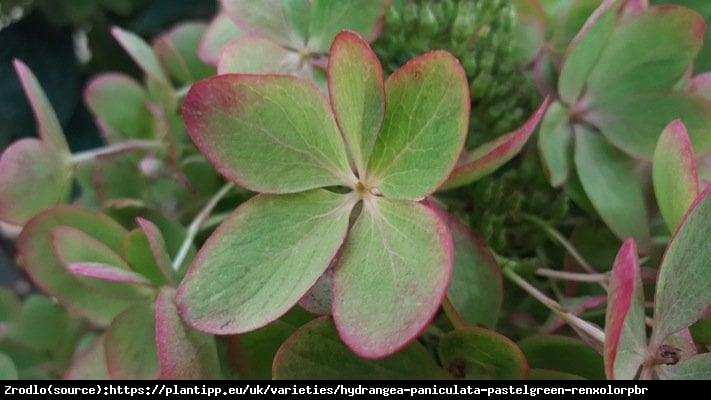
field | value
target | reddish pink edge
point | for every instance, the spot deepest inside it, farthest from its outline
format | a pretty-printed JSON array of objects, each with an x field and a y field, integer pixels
[
  {"x": 679, "y": 138},
  {"x": 208, "y": 324},
  {"x": 623, "y": 278},
  {"x": 203, "y": 53},
  {"x": 164, "y": 345},
  {"x": 195, "y": 103},
  {"x": 519, "y": 354},
  {"x": 60, "y": 231},
  {"x": 505, "y": 147},
  {"x": 447, "y": 264},
  {"x": 99, "y": 80},
  {"x": 28, "y": 231},
  {"x": 106, "y": 272},
  {"x": 456, "y": 224},
  {"x": 412, "y": 67},
  {"x": 156, "y": 242},
  {"x": 289, "y": 342},
  {"x": 28, "y": 80},
  {"x": 343, "y": 40},
  {"x": 632, "y": 8},
  {"x": 697, "y": 27},
  {"x": 70, "y": 373}
]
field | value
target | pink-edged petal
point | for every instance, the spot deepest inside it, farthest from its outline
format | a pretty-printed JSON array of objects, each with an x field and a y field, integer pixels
[
  {"x": 106, "y": 272},
  {"x": 355, "y": 83},
  {"x": 50, "y": 130},
  {"x": 293, "y": 139},
  {"x": 158, "y": 249},
  {"x": 285, "y": 22},
  {"x": 392, "y": 276},
  {"x": 252, "y": 54},
  {"x": 219, "y": 32},
  {"x": 625, "y": 336},
  {"x": 262, "y": 260},
  {"x": 182, "y": 352},
  {"x": 176, "y": 50},
  {"x": 425, "y": 125},
  {"x": 701, "y": 85},
  {"x": 33, "y": 177},
  {"x": 492, "y": 155},
  {"x": 141, "y": 53},
  {"x": 676, "y": 183}
]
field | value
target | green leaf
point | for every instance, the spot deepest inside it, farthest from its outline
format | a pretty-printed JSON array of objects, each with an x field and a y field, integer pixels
[
  {"x": 251, "y": 54},
  {"x": 488, "y": 157},
  {"x": 625, "y": 336},
  {"x": 177, "y": 53},
  {"x": 676, "y": 183},
  {"x": 555, "y": 144},
  {"x": 476, "y": 287},
  {"x": 33, "y": 177},
  {"x": 584, "y": 51},
  {"x": 315, "y": 352},
  {"x": 478, "y": 353},
  {"x": 426, "y": 121},
  {"x": 695, "y": 368},
  {"x": 683, "y": 291},
  {"x": 117, "y": 178},
  {"x": 284, "y": 22},
  {"x": 633, "y": 123},
  {"x": 564, "y": 354},
  {"x": 218, "y": 33},
  {"x": 72, "y": 246},
  {"x": 8, "y": 371},
  {"x": 182, "y": 352},
  {"x": 701, "y": 331},
  {"x": 41, "y": 325},
  {"x": 262, "y": 259},
  {"x": 256, "y": 350},
  {"x": 391, "y": 276},
  {"x": 48, "y": 272},
  {"x": 365, "y": 17},
  {"x": 118, "y": 104},
  {"x": 609, "y": 180},
  {"x": 130, "y": 344},
  {"x": 142, "y": 54},
  {"x": 270, "y": 134},
  {"x": 90, "y": 363},
  {"x": 650, "y": 51},
  {"x": 355, "y": 84},
  {"x": 48, "y": 126}
]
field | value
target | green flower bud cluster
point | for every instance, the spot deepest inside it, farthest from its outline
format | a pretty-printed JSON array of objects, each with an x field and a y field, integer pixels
[
  {"x": 479, "y": 34},
  {"x": 495, "y": 207}
]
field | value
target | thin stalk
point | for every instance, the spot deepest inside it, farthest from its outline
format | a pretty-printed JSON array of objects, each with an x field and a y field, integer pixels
[
  {"x": 197, "y": 223},
  {"x": 572, "y": 276},
  {"x": 553, "y": 234},
  {"x": 90, "y": 155},
  {"x": 453, "y": 314},
  {"x": 573, "y": 320}
]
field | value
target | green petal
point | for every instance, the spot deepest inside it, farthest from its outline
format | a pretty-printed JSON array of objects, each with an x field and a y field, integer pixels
[
  {"x": 316, "y": 352},
  {"x": 478, "y": 353},
  {"x": 609, "y": 179},
  {"x": 555, "y": 144},
  {"x": 426, "y": 121},
  {"x": 130, "y": 344},
  {"x": 270, "y": 134},
  {"x": 391, "y": 276},
  {"x": 355, "y": 83},
  {"x": 683, "y": 290},
  {"x": 365, "y": 17},
  {"x": 262, "y": 260}
]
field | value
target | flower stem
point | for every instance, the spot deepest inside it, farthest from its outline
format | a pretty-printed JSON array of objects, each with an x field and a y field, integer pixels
[
  {"x": 580, "y": 324},
  {"x": 553, "y": 234},
  {"x": 572, "y": 276},
  {"x": 130, "y": 145},
  {"x": 452, "y": 314},
  {"x": 197, "y": 223}
]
